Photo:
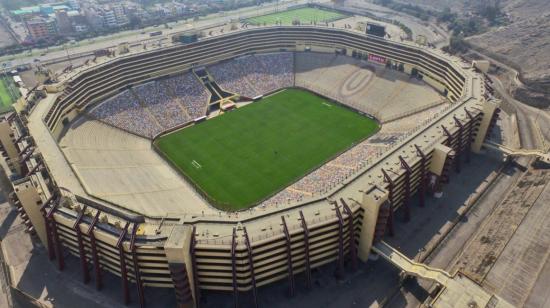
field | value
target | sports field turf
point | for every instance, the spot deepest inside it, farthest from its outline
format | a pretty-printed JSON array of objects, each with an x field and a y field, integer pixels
[
  {"x": 5, "y": 97},
  {"x": 306, "y": 15},
  {"x": 240, "y": 158}
]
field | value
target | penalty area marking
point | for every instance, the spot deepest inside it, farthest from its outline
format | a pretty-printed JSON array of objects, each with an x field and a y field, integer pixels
[{"x": 196, "y": 164}]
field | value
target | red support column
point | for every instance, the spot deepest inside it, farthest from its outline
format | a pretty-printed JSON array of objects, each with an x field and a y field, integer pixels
[
  {"x": 57, "y": 241},
  {"x": 192, "y": 248},
  {"x": 422, "y": 190},
  {"x": 49, "y": 236},
  {"x": 24, "y": 150},
  {"x": 123, "y": 268},
  {"x": 26, "y": 156},
  {"x": 251, "y": 267},
  {"x": 95, "y": 256},
  {"x": 340, "y": 261},
  {"x": 456, "y": 148},
  {"x": 460, "y": 143},
  {"x": 234, "y": 268},
  {"x": 470, "y": 135},
  {"x": 306, "y": 248},
  {"x": 444, "y": 178},
  {"x": 406, "y": 200},
  {"x": 81, "y": 247},
  {"x": 290, "y": 268},
  {"x": 34, "y": 169},
  {"x": 20, "y": 138},
  {"x": 492, "y": 123},
  {"x": 388, "y": 180},
  {"x": 137, "y": 273},
  {"x": 351, "y": 235}
]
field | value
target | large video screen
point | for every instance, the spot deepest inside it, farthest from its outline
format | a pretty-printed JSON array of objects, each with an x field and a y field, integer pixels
[{"x": 374, "y": 29}]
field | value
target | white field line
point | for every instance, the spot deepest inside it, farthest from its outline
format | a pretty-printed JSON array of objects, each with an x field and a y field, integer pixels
[{"x": 196, "y": 164}]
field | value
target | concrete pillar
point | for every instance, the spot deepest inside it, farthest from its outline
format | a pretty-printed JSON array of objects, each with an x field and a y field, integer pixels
[
  {"x": 408, "y": 68},
  {"x": 439, "y": 157},
  {"x": 372, "y": 200},
  {"x": 489, "y": 108},
  {"x": 31, "y": 203},
  {"x": 178, "y": 255}
]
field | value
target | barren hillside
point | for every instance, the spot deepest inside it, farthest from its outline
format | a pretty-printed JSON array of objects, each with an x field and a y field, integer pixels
[{"x": 524, "y": 43}]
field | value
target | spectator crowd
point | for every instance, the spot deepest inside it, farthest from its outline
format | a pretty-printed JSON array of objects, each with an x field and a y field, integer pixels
[
  {"x": 151, "y": 108},
  {"x": 328, "y": 176},
  {"x": 125, "y": 112},
  {"x": 255, "y": 75},
  {"x": 165, "y": 108}
]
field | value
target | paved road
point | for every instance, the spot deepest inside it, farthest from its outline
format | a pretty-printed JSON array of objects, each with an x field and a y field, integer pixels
[
  {"x": 533, "y": 122},
  {"x": 414, "y": 291},
  {"x": 528, "y": 118}
]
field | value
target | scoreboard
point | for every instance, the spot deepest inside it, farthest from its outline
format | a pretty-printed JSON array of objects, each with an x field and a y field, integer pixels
[
  {"x": 186, "y": 38},
  {"x": 376, "y": 29}
]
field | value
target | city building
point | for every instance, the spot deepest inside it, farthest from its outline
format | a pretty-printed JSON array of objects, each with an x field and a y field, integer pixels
[
  {"x": 41, "y": 28},
  {"x": 109, "y": 19},
  {"x": 74, "y": 4},
  {"x": 94, "y": 19},
  {"x": 120, "y": 14},
  {"x": 64, "y": 23}
]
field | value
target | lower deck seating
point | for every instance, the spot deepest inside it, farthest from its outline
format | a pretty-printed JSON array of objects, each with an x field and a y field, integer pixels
[
  {"x": 125, "y": 112},
  {"x": 192, "y": 95},
  {"x": 151, "y": 108},
  {"x": 166, "y": 108},
  {"x": 255, "y": 75}
]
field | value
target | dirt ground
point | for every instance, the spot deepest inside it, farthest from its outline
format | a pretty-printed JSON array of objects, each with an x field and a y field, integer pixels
[{"x": 523, "y": 43}]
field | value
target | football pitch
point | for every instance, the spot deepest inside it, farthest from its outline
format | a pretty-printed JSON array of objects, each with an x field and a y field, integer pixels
[
  {"x": 306, "y": 15},
  {"x": 6, "y": 98},
  {"x": 242, "y": 157}
]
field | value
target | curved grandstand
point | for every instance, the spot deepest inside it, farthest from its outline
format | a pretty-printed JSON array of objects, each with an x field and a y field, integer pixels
[{"x": 107, "y": 196}]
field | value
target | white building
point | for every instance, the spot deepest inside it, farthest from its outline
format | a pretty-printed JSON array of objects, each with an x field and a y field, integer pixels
[
  {"x": 109, "y": 19},
  {"x": 120, "y": 14},
  {"x": 73, "y": 4}
]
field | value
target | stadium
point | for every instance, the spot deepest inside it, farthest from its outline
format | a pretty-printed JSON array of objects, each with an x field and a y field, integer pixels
[{"x": 241, "y": 159}]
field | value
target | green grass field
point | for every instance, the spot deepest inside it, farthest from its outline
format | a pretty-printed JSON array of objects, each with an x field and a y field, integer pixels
[
  {"x": 306, "y": 15},
  {"x": 240, "y": 158},
  {"x": 5, "y": 98}
]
